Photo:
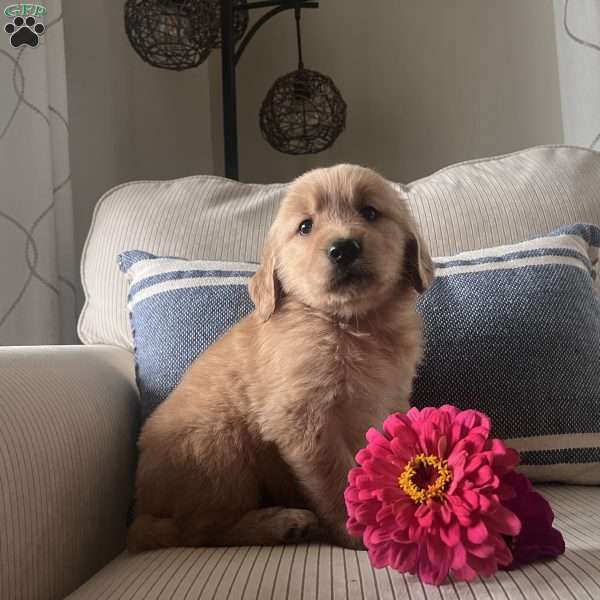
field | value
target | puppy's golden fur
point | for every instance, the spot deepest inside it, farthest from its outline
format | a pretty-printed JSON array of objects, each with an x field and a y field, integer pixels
[{"x": 254, "y": 445}]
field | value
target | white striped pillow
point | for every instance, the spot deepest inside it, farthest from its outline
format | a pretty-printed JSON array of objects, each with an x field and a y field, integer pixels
[{"x": 477, "y": 204}]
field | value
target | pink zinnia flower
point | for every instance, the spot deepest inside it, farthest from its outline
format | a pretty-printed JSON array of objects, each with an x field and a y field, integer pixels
[
  {"x": 537, "y": 538},
  {"x": 427, "y": 496}
]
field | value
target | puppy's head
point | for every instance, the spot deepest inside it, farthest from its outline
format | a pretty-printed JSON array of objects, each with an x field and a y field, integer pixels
[{"x": 343, "y": 242}]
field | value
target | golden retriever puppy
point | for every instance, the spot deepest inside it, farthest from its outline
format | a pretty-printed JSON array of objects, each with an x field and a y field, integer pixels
[{"x": 255, "y": 444}]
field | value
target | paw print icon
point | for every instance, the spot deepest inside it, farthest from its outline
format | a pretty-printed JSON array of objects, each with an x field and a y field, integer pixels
[{"x": 24, "y": 31}]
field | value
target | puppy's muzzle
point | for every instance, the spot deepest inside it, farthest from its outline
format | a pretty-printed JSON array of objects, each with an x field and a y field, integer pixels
[{"x": 344, "y": 252}]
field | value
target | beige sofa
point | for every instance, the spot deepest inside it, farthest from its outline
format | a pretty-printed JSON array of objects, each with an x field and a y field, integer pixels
[{"x": 69, "y": 415}]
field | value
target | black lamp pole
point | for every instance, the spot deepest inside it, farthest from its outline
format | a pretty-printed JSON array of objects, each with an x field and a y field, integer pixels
[{"x": 229, "y": 59}]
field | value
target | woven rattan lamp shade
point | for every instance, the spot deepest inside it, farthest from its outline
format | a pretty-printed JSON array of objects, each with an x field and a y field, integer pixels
[
  {"x": 178, "y": 34},
  {"x": 303, "y": 113}
]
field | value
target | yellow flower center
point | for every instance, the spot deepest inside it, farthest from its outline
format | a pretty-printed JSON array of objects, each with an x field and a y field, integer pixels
[{"x": 417, "y": 480}]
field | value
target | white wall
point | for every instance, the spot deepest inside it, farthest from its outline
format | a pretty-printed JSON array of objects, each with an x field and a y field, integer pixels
[
  {"x": 427, "y": 82},
  {"x": 128, "y": 120}
]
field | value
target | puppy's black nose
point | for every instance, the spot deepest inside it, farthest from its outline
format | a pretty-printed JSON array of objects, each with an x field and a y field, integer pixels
[{"x": 344, "y": 252}]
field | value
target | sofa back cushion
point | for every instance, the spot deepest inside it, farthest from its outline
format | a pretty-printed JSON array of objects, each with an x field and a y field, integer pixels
[{"x": 463, "y": 207}]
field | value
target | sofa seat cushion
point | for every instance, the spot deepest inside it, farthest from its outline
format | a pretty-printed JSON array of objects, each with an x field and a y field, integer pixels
[
  {"x": 472, "y": 205},
  {"x": 329, "y": 573}
]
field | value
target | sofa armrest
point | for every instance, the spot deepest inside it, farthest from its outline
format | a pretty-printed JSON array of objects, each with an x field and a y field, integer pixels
[{"x": 68, "y": 429}]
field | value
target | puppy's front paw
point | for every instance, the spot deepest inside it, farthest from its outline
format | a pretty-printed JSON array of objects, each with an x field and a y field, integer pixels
[{"x": 294, "y": 525}]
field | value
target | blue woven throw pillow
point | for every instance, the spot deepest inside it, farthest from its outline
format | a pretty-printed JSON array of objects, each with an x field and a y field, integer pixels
[
  {"x": 513, "y": 331},
  {"x": 178, "y": 308}
]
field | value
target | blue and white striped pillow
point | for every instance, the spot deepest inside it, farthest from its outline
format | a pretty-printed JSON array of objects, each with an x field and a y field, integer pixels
[
  {"x": 513, "y": 331},
  {"x": 178, "y": 308}
]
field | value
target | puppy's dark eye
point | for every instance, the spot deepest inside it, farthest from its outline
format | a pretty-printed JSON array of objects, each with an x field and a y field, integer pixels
[
  {"x": 369, "y": 213},
  {"x": 305, "y": 227}
]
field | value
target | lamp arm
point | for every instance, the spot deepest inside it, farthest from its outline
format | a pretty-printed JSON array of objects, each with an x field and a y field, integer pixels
[{"x": 279, "y": 7}]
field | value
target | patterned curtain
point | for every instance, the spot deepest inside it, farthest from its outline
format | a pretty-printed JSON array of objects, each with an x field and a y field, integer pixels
[
  {"x": 578, "y": 44},
  {"x": 38, "y": 274}
]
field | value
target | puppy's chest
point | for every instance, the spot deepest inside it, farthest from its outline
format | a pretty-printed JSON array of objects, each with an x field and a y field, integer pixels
[{"x": 343, "y": 370}]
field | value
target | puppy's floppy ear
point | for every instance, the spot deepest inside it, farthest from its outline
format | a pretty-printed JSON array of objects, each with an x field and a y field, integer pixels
[
  {"x": 418, "y": 266},
  {"x": 264, "y": 287}
]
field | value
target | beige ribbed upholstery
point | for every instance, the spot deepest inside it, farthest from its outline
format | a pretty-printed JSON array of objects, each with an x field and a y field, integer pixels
[
  {"x": 463, "y": 207},
  {"x": 68, "y": 424},
  {"x": 329, "y": 573}
]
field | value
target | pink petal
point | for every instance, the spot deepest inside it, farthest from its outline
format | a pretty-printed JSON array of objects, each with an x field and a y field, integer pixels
[
  {"x": 406, "y": 558},
  {"x": 450, "y": 535},
  {"x": 482, "y": 550},
  {"x": 442, "y": 446},
  {"x": 366, "y": 513},
  {"x": 449, "y": 410},
  {"x": 390, "y": 495},
  {"x": 482, "y": 566},
  {"x": 471, "y": 419},
  {"x": 430, "y": 572},
  {"x": 459, "y": 557},
  {"x": 376, "y": 437},
  {"x": 363, "y": 455},
  {"x": 437, "y": 551},
  {"x": 354, "y": 527},
  {"x": 377, "y": 535},
  {"x": 471, "y": 498},
  {"x": 503, "y": 521},
  {"x": 485, "y": 503},
  {"x": 353, "y": 474},
  {"x": 484, "y": 476},
  {"x": 478, "y": 533},
  {"x": 402, "y": 451},
  {"x": 376, "y": 467},
  {"x": 503, "y": 554},
  {"x": 385, "y": 511},
  {"x": 505, "y": 459},
  {"x": 402, "y": 536},
  {"x": 465, "y": 573},
  {"x": 383, "y": 555},
  {"x": 424, "y": 516},
  {"x": 399, "y": 425},
  {"x": 446, "y": 514},
  {"x": 382, "y": 452},
  {"x": 461, "y": 511}
]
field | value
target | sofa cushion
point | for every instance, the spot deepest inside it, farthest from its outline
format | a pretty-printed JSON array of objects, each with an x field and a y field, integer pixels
[
  {"x": 463, "y": 207},
  {"x": 329, "y": 573}
]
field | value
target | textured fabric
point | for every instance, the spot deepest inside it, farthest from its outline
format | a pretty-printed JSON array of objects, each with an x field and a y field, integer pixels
[
  {"x": 514, "y": 331},
  {"x": 39, "y": 289},
  {"x": 178, "y": 308},
  {"x": 68, "y": 424},
  {"x": 463, "y": 207},
  {"x": 331, "y": 573}
]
